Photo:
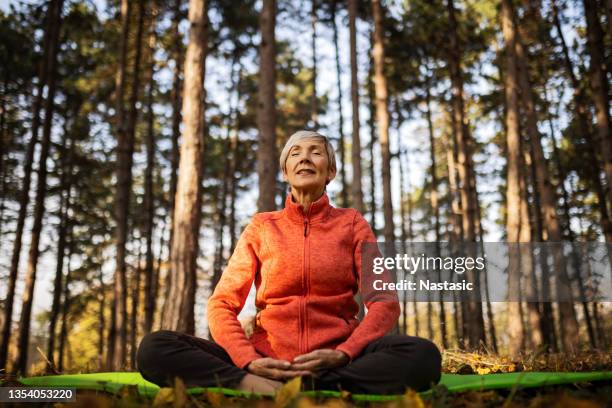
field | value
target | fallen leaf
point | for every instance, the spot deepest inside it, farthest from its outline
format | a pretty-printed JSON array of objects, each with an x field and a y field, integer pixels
[
  {"x": 180, "y": 393},
  {"x": 164, "y": 396},
  {"x": 288, "y": 392},
  {"x": 216, "y": 399}
]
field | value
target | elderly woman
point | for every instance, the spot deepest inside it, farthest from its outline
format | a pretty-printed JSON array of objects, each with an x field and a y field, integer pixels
[{"x": 305, "y": 261}]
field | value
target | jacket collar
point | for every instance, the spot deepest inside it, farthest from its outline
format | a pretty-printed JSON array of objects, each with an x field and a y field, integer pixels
[{"x": 317, "y": 211}]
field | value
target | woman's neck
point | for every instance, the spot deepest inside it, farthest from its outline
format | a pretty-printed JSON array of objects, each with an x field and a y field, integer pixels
[{"x": 306, "y": 198}]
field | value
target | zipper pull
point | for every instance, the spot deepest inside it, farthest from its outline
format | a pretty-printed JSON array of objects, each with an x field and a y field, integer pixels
[{"x": 305, "y": 226}]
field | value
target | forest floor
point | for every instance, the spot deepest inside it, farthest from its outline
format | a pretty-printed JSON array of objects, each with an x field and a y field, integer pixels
[{"x": 582, "y": 395}]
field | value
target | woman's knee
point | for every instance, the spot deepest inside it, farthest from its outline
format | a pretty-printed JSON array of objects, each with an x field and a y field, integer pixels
[
  {"x": 430, "y": 359},
  {"x": 152, "y": 345},
  {"x": 421, "y": 354}
]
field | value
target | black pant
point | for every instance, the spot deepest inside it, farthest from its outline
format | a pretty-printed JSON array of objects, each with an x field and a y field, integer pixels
[{"x": 387, "y": 365}]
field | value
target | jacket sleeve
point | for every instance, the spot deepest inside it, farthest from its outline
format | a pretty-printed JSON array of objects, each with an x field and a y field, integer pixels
[
  {"x": 383, "y": 306},
  {"x": 230, "y": 295}
]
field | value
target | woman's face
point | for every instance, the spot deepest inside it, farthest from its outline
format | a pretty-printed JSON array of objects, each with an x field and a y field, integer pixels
[{"x": 307, "y": 165}]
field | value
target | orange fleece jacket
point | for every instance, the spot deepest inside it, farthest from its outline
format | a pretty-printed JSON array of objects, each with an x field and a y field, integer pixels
[{"x": 306, "y": 269}]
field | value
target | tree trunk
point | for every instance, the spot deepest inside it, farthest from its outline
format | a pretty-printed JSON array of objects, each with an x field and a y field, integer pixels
[
  {"x": 582, "y": 119},
  {"x": 372, "y": 126},
  {"x": 435, "y": 207},
  {"x": 4, "y": 145},
  {"x": 599, "y": 86},
  {"x": 403, "y": 235},
  {"x": 125, "y": 151},
  {"x": 513, "y": 187},
  {"x": 547, "y": 322},
  {"x": 66, "y": 303},
  {"x": 410, "y": 239},
  {"x": 221, "y": 209},
  {"x": 120, "y": 83},
  {"x": 314, "y": 108},
  {"x": 356, "y": 191},
  {"x": 135, "y": 298},
  {"x": 576, "y": 263},
  {"x": 179, "y": 311},
  {"x": 382, "y": 118},
  {"x": 234, "y": 165},
  {"x": 341, "y": 144},
  {"x": 227, "y": 175},
  {"x": 569, "y": 324},
  {"x": 529, "y": 277},
  {"x": 475, "y": 322},
  {"x": 176, "y": 131},
  {"x": 267, "y": 157},
  {"x": 156, "y": 276},
  {"x": 101, "y": 320},
  {"x": 149, "y": 205},
  {"x": 66, "y": 164},
  {"x": 456, "y": 235},
  {"x": 41, "y": 191},
  {"x": 53, "y": 13}
]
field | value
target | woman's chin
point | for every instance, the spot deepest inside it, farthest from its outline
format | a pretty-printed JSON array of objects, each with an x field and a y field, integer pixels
[{"x": 305, "y": 186}]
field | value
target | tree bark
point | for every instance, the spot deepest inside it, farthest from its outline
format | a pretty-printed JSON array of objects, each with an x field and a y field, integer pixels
[
  {"x": 382, "y": 118},
  {"x": 125, "y": 151},
  {"x": 475, "y": 322},
  {"x": 4, "y": 146},
  {"x": 267, "y": 157},
  {"x": 372, "y": 126},
  {"x": 576, "y": 263},
  {"x": 135, "y": 298},
  {"x": 24, "y": 198},
  {"x": 179, "y": 311},
  {"x": 356, "y": 191},
  {"x": 41, "y": 191},
  {"x": 101, "y": 320},
  {"x": 569, "y": 324},
  {"x": 435, "y": 206},
  {"x": 66, "y": 164},
  {"x": 341, "y": 144},
  {"x": 120, "y": 83},
  {"x": 66, "y": 304},
  {"x": 538, "y": 233},
  {"x": 513, "y": 187},
  {"x": 599, "y": 87},
  {"x": 149, "y": 205},
  {"x": 403, "y": 237},
  {"x": 583, "y": 120},
  {"x": 227, "y": 176},
  {"x": 234, "y": 164},
  {"x": 176, "y": 132},
  {"x": 314, "y": 108}
]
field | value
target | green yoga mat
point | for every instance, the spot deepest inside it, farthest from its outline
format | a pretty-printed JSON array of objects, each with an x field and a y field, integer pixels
[{"x": 113, "y": 382}]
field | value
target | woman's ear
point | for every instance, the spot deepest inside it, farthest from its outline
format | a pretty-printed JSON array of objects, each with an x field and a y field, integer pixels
[{"x": 330, "y": 176}]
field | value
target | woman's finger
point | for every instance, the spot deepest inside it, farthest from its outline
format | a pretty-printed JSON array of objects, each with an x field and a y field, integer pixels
[
  {"x": 307, "y": 365},
  {"x": 274, "y": 363},
  {"x": 308, "y": 356},
  {"x": 285, "y": 374}
]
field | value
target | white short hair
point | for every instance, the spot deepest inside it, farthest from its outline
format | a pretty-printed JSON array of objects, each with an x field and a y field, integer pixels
[{"x": 308, "y": 134}]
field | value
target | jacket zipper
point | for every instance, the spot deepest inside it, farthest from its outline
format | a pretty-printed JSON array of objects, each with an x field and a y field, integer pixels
[{"x": 304, "y": 338}]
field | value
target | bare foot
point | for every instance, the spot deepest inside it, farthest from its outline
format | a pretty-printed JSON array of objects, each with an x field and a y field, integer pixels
[{"x": 255, "y": 383}]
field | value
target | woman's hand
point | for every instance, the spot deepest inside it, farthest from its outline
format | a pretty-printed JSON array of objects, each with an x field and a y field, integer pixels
[
  {"x": 320, "y": 359},
  {"x": 274, "y": 369}
]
